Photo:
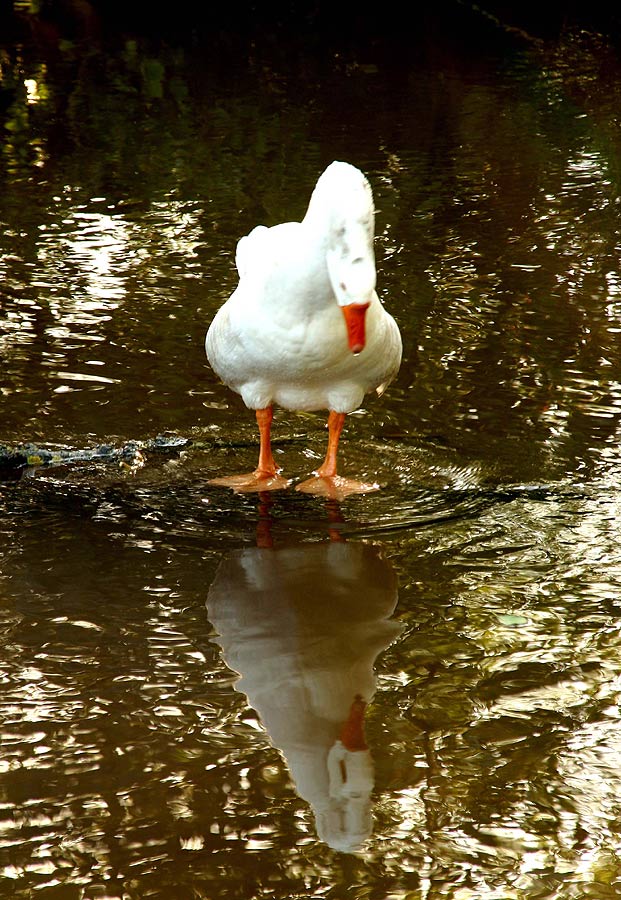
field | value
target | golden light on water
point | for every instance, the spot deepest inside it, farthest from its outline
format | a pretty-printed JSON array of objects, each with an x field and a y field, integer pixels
[{"x": 32, "y": 90}]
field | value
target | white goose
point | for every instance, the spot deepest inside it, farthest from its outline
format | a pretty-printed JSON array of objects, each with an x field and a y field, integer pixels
[{"x": 305, "y": 328}]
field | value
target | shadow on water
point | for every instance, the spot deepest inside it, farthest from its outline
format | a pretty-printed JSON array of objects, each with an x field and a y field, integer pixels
[{"x": 303, "y": 625}]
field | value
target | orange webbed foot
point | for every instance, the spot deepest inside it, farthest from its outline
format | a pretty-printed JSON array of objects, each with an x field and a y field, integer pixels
[
  {"x": 335, "y": 487},
  {"x": 252, "y": 482}
]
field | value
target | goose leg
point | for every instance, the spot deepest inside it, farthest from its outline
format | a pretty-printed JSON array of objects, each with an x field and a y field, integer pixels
[
  {"x": 265, "y": 477},
  {"x": 266, "y": 467},
  {"x": 326, "y": 482},
  {"x": 335, "y": 426}
]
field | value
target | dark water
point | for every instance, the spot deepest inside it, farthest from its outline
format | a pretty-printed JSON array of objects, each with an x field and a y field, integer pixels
[{"x": 177, "y": 661}]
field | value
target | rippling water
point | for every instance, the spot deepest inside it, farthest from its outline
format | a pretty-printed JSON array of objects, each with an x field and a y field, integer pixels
[{"x": 415, "y": 693}]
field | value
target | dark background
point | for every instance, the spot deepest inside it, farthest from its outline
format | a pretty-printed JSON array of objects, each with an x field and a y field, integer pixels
[{"x": 311, "y": 21}]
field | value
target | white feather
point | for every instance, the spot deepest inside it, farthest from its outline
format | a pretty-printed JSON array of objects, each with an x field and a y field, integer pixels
[{"x": 281, "y": 337}]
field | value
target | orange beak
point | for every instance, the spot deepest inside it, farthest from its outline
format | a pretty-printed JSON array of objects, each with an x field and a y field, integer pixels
[{"x": 354, "y": 320}]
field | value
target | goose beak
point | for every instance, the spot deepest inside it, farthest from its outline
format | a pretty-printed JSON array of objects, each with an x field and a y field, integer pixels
[{"x": 354, "y": 314}]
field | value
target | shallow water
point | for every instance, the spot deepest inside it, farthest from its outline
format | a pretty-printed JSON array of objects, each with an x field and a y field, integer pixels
[{"x": 178, "y": 661}]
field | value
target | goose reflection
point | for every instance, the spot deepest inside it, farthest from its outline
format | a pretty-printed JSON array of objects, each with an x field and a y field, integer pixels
[{"x": 303, "y": 626}]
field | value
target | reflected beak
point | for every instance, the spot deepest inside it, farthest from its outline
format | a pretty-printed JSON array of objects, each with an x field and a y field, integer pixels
[
  {"x": 352, "y": 730},
  {"x": 354, "y": 314}
]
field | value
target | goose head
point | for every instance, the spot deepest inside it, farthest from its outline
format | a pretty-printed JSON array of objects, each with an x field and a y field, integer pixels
[{"x": 342, "y": 205}]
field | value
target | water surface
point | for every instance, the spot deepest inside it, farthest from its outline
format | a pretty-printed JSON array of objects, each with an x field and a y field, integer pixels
[{"x": 178, "y": 662}]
